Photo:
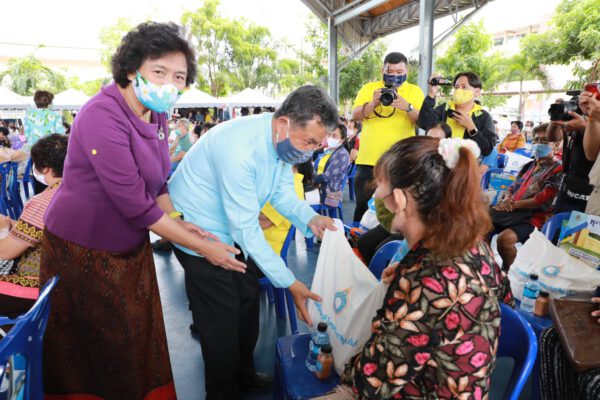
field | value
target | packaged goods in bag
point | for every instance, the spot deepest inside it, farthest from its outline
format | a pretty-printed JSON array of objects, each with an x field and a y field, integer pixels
[{"x": 351, "y": 296}]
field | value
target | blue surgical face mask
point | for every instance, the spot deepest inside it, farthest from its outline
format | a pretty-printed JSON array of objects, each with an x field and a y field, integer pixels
[
  {"x": 541, "y": 150},
  {"x": 394, "y": 80},
  {"x": 159, "y": 98},
  {"x": 288, "y": 153}
]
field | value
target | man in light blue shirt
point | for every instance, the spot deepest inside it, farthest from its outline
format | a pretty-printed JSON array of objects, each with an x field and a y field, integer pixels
[{"x": 221, "y": 185}]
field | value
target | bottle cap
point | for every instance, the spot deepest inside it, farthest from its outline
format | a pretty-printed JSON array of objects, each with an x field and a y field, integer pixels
[
  {"x": 326, "y": 348},
  {"x": 322, "y": 327},
  {"x": 544, "y": 294},
  {"x": 535, "y": 277}
]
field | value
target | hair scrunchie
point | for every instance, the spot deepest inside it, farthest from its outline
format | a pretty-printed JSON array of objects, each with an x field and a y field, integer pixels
[{"x": 449, "y": 150}]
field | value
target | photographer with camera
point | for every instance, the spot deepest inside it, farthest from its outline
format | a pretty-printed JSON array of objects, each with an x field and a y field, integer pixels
[
  {"x": 591, "y": 144},
  {"x": 465, "y": 116},
  {"x": 567, "y": 122},
  {"x": 388, "y": 109}
]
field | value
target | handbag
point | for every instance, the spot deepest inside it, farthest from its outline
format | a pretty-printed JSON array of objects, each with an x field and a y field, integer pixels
[{"x": 506, "y": 219}]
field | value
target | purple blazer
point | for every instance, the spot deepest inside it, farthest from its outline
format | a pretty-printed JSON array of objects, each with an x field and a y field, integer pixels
[{"x": 116, "y": 166}]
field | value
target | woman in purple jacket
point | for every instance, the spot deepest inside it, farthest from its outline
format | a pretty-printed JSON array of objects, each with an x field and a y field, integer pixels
[{"x": 106, "y": 336}]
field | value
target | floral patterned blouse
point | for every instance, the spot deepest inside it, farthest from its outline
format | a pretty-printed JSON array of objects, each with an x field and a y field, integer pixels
[
  {"x": 40, "y": 122},
  {"x": 436, "y": 335}
]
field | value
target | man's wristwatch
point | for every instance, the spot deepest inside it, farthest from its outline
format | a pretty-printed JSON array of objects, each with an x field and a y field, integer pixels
[
  {"x": 410, "y": 108},
  {"x": 472, "y": 132}
]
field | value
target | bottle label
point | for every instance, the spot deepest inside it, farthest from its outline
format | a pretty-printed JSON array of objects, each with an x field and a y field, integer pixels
[{"x": 319, "y": 366}]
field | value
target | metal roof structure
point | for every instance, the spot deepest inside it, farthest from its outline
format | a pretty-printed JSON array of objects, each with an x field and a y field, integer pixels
[{"x": 358, "y": 23}]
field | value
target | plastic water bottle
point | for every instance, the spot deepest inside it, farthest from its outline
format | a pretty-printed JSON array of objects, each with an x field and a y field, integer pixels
[
  {"x": 318, "y": 339},
  {"x": 530, "y": 293}
]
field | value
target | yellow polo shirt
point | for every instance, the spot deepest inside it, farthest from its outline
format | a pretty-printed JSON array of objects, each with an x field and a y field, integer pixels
[
  {"x": 379, "y": 134},
  {"x": 275, "y": 235}
]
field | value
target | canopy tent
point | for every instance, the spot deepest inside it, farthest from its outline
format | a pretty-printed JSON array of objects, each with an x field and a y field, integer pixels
[
  {"x": 70, "y": 99},
  {"x": 12, "y": 101},
  {"x": 360, "y": 22},
  {"x": 194, "y": 98},
  {"x": 250, "y": 98}
]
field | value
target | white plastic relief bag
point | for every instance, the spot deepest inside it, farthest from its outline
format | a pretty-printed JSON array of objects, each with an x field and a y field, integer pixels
[
  {"x": 559, "y": 273},
  {"x": 351, "y": 296}
]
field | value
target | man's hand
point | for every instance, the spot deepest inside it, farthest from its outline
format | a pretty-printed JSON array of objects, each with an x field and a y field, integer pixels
[
  {"x": 433, "y": 90},
  {"x": 578, "y": 123},
  {"x": 464, "y": 120},
  {"x": 400, "y": 103},
  {"x": 376, "y": 98},
  {"x": 301, "y": 294},
  {"x": 597, "y": 312},
  {"x": 319, "y": 223}
]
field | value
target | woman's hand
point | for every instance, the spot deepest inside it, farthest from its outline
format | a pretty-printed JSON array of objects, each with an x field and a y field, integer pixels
[
  {"x": 5, "y": 223},
  {"x": 221, "y": 255},
  {"x": 596, "y": 314},
  {"x": 197, "y": 230},
  {"x": 388, "y": 274}
]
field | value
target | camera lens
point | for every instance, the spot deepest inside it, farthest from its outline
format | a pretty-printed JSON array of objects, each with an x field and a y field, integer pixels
[{"x": 387, "y": 97}]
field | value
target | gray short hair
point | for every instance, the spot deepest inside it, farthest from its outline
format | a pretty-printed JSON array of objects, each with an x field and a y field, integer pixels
[{"x": 308, "y": 102}]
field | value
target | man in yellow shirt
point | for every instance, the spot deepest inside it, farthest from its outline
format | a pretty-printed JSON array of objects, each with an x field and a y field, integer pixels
[{"x": 383, "y": 125}]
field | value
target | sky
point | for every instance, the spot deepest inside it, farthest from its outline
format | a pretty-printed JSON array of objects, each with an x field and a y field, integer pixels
[{"x": 77, "y": 24}]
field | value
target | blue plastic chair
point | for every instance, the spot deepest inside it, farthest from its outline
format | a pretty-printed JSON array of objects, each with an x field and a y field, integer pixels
[
  {"x": 26, "y": 180},
  {"x": 485, "y": 179},
  {"x": 382, "y": 258},
  {"x": 25, "y": 340},
  {"x": 517, "y": 341},
  {"x": 524, "y": 152},
  {"x": 10, "y": 206},
  {"x": 502, "y": 160},
  {"x": 15, "y": 189},
  {"x": 351, "y": 175},
  {"x": 554, "y": 224},
  {"x": 282, "y": 297},
  {"x": 292, "y": 380}
]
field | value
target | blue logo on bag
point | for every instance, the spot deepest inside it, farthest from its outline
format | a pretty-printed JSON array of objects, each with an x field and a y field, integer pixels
[
  {"x": 340, "y": 300},
  {"x": 551, "y": 270}
]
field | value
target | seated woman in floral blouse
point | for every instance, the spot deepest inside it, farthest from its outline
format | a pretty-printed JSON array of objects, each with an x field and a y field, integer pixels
[
  {"x": 436, "y": 334},
  {"x": 19, "y": 285}
]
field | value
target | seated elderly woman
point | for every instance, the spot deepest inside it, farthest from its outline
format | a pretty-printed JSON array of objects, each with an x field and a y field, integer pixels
[
  {"x": 182, "y": 143},
  {"x": 436, "y": 332},
  {"x": 333, "y": 166},
  {"x": 19, "y": 286},
  {"x": 528, "y": 201}
]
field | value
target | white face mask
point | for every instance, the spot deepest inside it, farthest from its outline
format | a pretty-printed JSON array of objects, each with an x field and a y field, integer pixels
[
  {"x": 331, "y": 142},
  {"x": 38, "y": 177}
]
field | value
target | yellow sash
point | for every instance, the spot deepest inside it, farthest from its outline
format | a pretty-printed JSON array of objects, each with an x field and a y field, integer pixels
[
  {"x": 458, "y": 131},
  {"x": 323, "y": 162}
]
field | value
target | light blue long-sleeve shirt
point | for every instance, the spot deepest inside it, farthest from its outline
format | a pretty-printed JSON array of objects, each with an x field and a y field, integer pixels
[{"x": 224, "y": 181}]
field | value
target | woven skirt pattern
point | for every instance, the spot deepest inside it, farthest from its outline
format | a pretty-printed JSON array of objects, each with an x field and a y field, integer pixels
[{"x": 105, "y": 337}]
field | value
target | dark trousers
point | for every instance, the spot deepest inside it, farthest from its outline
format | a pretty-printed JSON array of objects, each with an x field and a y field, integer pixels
[
  {"x": 38, "y": 187},
  {"x": 225, "y": 310},
  {"x": 363, "y": 189}
]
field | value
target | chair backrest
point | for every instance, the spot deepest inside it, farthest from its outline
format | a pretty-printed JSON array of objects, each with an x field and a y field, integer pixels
[
  {"x": 517, "y": 341},
  {"x": 286, "y": 243},
  {"x": 27, "y": 173},
  {"x": 25, "y": 339},
  {"x": 523, "y": 151},
  {"x": 382, "y": 258},
  {"x": 485, "y": 179},
  {"x": 502, "y": 159},
  {"x": 553, "y": 225}
]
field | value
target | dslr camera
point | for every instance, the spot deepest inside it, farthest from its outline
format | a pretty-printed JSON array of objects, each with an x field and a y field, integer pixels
[
  {"x": 560, "y": 111},
  {"x": 388, "y": 93}
]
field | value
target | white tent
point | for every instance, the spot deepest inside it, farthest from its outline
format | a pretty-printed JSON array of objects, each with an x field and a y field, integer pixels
[
  {"x": 194, "y": 98},
  {"x": 70, "y": 99},
  {"x": 12, "y": 101},
  {"x": 250, "y": 98}
]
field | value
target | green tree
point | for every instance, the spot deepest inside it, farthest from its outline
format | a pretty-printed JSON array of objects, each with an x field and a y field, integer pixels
[
  {"x": 573, "y": 38},
  {"x": 110, "y": 38},
  {"x": 522, "y": 67},
  {"x": 471, "y": 51},
  {"x": 27, "y": 74},
  {"x": 89, "y": 87}
]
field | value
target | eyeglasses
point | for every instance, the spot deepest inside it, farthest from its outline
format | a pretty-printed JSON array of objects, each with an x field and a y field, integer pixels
[{"x": 537, "y": 140}]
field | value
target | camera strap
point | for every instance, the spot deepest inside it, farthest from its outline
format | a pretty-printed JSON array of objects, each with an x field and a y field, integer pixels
[{"x": 383, "y": 116}]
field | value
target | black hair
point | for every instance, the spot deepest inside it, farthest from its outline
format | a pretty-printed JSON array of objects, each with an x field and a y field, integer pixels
[
  {"x": 309, "y": 102},
  {"x": 518, "y": 123},
  {"x": 494, "y": 121},
  {"x": 244, "y": 111},
  {"x": 473, "y": 78},
  {"x": 4, "y": 141},
  {"x": 395, "y": 58},
  {"x": 344, "y": 134},
  {"x": 4, "y": 130},
  {"x": 443, "y": 126},
  {"x": 42, "y": 98},
  {"x": 198, "y": 129},
  {"x": 208, "y": 126},
  {"x": 151, "y": 40},
  {"x": 257, "y": 110},
  {"x": 308, "y": 171},
  {"x": 50, "y": 152}
]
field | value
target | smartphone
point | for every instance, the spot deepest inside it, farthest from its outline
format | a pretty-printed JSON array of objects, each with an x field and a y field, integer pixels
[
  {"x": 593, "y": 88},
  {"x": 451, "y": 113}
]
